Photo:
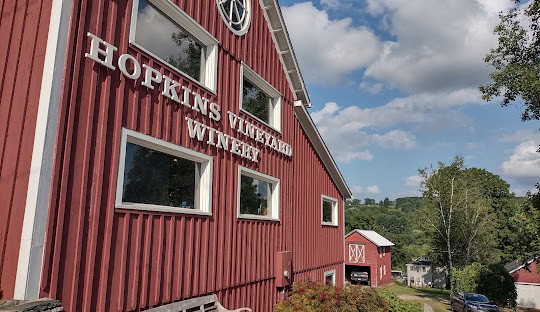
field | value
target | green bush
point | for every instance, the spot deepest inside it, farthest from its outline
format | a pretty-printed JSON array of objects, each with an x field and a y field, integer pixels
[
  {"x": 491, "y": 280},
  {"x": 315, "y": 297},
  {"x": 400, "y": 305}
]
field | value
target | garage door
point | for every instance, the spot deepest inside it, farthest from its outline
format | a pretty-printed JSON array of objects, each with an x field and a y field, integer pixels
[{"x": 528, "y": 295}]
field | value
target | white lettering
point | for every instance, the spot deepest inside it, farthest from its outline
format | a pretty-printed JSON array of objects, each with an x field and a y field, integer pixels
[
  {"x": 215, "y": 112},
  {"x": 195, "y": 128},
  {"x": 151, "y": 75},
  {"x": 187, "y": 93},
  {"x": 123, "y": 68},
  {"x": 169, "y": 89},
  {"x": 200, "y": 104},
  {"x": 223, "y": 141},
  {"x": 96, "y": 51},
  {"x": 233, "y": 119}
]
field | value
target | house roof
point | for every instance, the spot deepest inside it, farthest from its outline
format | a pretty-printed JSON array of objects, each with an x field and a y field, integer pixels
[
  {"x": 516, "y": 265},
  {"x": 280, "y": 36},
  {"x": 373, "y": 237}
]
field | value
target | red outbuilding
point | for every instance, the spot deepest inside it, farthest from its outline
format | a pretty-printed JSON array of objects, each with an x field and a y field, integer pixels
[
  {"x": 153, "y": 151},
  {"x": 368, "y": 251},
  {"x": 527, "y": 281}
]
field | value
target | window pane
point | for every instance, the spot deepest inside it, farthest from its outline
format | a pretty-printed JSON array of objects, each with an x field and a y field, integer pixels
[
  {"x": 327, "y": 211},
  {"x": 152, "y": 177},
  {"x": 159, "y": 35},
  {"x": 255, "y": 101},
  {"x": 254, "y": 196}
]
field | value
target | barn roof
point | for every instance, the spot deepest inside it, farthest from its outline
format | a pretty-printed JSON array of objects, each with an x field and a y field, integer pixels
[
  {"x": 280, "y": 35},
  {"x": 373, "y": 237}
]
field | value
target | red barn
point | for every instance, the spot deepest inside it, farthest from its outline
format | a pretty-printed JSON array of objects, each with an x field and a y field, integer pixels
[
  {"x": 527, "y": 280},
  {"x": 158, "y": 150},
  {"x": 368, "y": 251}
]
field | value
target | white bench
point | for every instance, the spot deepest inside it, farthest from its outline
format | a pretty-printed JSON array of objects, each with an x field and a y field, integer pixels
[{"x": 202, "y": 304}]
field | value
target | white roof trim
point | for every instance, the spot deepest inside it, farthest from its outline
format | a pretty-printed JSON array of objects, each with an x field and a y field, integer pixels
[
  {"x": 373, "y": 237},
  {"x": 314, "y": 136},
  {"x": 282, "y": 41},
  {"x": 521, "y": 266}
]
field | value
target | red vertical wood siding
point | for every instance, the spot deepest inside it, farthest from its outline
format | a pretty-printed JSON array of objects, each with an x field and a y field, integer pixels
[
  {"x": 23, "y": 32},
  {"x": 530, "y": 275},
  {"x": 99, "y": 258}
]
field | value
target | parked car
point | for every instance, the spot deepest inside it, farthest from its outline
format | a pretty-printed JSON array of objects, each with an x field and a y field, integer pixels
[
  {"x": 360, "y": 277},
  {"x": 470, "y": 302}
]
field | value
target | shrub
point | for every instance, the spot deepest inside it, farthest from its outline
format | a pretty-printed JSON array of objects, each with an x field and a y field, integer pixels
[
  {"x": 491, "y": 280},
  {"x": 400, "y": 305},
  {"x": 315, "y": 297}
]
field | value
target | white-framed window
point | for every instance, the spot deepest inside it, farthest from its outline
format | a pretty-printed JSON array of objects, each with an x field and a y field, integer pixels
[
  {"x": 236, "y": 14},
  {"x": 259, "y": 99},
  {"x": 161, "y": 29},
  {"x": 380, "y": 272},
  {"x": 329, "y": 210},
  {"x": 258, "y": 195},
  {"x": 156, "y": 175},
  {"x": 330, "y": 277},
  {"x": 383, "y": 251},
  {"x": 384, "y": 269}
]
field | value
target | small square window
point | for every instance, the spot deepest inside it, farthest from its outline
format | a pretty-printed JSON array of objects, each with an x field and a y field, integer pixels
[
  {"x": 329, "y": 210},
  {"x": 160, "y": 176},
  {"x": 258, "y": 195},
  {"x": 330, "y": 277},
  {"x": 260, "y": 99},
  {"x": 164, "y": 31}
]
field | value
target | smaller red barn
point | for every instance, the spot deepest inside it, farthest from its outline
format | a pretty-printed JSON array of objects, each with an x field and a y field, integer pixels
[
  {"x": 368, "y": 252},
  {"x": 527, "y": 280}
]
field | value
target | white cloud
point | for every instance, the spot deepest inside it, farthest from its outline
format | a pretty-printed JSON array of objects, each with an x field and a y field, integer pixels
[
  {"x": 371, "y": 87},
  {"x": 523, "y": 165},
  {"x": 413, "y": 181},
  {"x": 349, "y": 130},
  {"x": 435, "y": 49},
  {"x": 435, "y": 46},
  {"x": 519, "y": 136},
  {"x": 359, "y": 190},
  {"x": 328, "y": 49},
  {"x": 394, "y": 139},
  {"x": 330, "y": 3},
  {"x": 348, "y": 156}
]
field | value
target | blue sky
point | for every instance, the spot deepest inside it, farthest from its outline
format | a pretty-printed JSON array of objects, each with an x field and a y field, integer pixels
[{"x": 394, "y": 87}]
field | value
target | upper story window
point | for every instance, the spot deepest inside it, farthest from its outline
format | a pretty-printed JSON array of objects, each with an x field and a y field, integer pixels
[
  {"x": 258, "y": 195},
  {"x": 167, "y": 33},
  {"x": 160, "y": 176},
  {"x": 236, "y": 14},
  {"x": 259, "y": 98},
  {"x": 329, "y": 210}
]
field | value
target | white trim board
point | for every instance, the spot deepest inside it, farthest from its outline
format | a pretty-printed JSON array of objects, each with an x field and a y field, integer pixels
[{"x": 29, "y": 266}]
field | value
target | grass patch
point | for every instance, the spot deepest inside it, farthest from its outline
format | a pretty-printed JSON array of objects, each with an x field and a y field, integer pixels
[{"x": 438, "y": 299}]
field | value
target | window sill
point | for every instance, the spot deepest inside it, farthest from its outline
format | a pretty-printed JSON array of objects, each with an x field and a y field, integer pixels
[
  {"x": 329, "y": 224},
  {"x": 170, "y": 67},
  {"x": 158, "y": 208},
  {"x": 257, "y": 218},
  {"x": 260, "y": 120}
]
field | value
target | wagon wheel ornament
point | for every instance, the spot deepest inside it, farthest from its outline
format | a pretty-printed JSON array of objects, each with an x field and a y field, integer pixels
[{"x": 236, "y": 14}]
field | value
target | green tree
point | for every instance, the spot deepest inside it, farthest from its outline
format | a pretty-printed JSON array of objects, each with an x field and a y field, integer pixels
[
  {"x": 408, "y": 204},
  {"x": 517, "y": 61},
  {"x": 369, "y": 201},
  {"x": 527, "y": 221},
  {"x": 386, "y": 202},
  {"x": 491, "y": 280},
  {"x": 455, "y": 213}
]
